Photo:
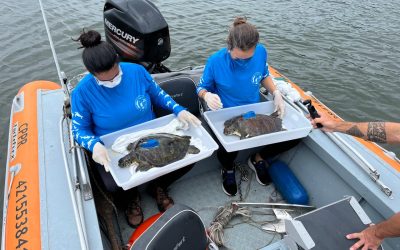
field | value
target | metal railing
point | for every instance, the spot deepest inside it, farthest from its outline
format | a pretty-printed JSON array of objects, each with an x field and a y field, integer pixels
[
  {"x": 357, "y": 157},
  {"x": 74, "y": 190}
]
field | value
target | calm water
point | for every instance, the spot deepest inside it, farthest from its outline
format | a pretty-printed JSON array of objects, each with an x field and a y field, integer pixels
[{"x": 346, "y": 52}]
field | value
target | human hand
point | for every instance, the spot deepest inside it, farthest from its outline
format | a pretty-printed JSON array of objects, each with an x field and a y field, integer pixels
[
  {"x": 367, "y": 239},
  {"x": 213, "y": 101},
  {"x": 279, "y": 103},
  {"x": 328, "y": 124},
  {"x": 100, "y": 155},
  {"x": 186, "y": 117}
]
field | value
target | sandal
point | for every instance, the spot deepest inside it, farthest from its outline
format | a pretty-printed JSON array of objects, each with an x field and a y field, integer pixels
[
  {"x": 163, "y": 200},
  {"x": 134, "y": 214}
]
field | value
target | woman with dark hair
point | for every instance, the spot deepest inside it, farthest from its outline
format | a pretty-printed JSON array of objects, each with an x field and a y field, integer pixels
[
  {"x": 114, "y": 96},
  {"x": 232, "y": 77}
]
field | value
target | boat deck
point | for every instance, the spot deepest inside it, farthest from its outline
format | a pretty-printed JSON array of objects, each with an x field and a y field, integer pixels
[
  {"x": 201, "y": 189},
  {"x": 326, "y": 172}
]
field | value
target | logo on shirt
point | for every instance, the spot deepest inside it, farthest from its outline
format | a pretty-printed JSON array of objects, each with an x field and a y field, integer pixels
[
  {"x": 141, "y": 103},
  {"x": 256, "y": 78}
]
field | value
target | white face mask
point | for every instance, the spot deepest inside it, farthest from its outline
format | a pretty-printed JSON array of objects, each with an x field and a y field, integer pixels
[{"x": 112, "y": 83}]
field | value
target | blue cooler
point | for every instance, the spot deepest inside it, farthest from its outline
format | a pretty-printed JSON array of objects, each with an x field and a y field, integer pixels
[{"x": 287, "y": 184}]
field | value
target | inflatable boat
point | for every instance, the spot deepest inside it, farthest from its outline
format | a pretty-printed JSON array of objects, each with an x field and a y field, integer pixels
[{"x": 51, "y": 200}]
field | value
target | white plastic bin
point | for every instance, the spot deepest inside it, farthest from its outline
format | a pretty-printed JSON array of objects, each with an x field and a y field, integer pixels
[
  {"x": 296, "y": 125},
  {"x": 127, "y": 178}
]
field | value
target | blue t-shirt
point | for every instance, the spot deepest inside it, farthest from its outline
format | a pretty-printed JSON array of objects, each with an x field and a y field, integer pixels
[
  {"x": 98, "y": 110},
  {"x": 234, "y": 83}
]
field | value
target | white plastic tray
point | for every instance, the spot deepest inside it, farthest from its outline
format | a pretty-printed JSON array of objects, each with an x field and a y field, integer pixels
[
  {"x": 296, "y": 124},
  {"x": 127, "y": 178}
]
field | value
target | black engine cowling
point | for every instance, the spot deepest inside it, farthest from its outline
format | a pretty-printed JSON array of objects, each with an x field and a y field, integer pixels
[{"x": 137, "y": 30}]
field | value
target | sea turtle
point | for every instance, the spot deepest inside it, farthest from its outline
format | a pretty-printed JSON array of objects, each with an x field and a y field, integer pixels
[
  {"x": 157, "y": 150},
  {"x": 250, "y": 124}
]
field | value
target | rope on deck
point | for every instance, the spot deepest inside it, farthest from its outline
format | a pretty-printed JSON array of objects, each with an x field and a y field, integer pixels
[{"x": 223, "y": 217}]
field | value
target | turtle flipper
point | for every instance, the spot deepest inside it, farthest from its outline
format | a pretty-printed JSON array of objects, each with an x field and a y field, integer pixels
[
  {"x": 274, "y": 114},
  {"x": 193, "y": 150},
  {"x": 143, "y": 166},
  {"x": 130, "y": 146}
]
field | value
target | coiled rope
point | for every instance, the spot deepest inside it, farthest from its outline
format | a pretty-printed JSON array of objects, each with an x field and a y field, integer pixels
[{"x": 224, "y": 215}]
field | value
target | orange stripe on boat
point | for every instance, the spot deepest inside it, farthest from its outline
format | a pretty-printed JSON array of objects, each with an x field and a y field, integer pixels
[
  {"x": 142, "y": 228},
  {"x": 23, "y": 215},
  {"x": 321, "y": 108}
]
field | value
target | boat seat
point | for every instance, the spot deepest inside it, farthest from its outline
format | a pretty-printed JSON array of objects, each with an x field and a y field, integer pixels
[
  {"x": 310, "y": 230},
  {"x": 183, "y": 90},
  {"x": 180, "y": 227}
]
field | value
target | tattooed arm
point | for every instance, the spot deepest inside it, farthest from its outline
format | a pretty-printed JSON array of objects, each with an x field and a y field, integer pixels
[{"x": 383, "y": 132}]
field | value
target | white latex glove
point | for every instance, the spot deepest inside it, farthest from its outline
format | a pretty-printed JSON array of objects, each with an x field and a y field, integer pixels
[
  {"x": 279, "y": 103},
  {"x": 186, "y": 118},
  {"x": 213, "y": 101},
  {"x": 100, "y": 155}
]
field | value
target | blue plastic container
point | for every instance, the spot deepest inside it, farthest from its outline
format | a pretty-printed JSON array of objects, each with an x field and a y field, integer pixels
[{"x": 287, "y": 184}]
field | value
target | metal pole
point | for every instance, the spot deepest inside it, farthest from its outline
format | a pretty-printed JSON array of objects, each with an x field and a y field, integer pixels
[
  {"x": 53, "y": 51},
  {"x": 71, "y": 188}
]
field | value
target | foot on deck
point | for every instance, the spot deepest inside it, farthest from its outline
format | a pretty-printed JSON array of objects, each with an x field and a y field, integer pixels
[
  {"x": 163, "y": 200},
  {"x": 134, "y": 213},
  {"x": 229, "y": 182},
  {"x": 260, "y": 168}
]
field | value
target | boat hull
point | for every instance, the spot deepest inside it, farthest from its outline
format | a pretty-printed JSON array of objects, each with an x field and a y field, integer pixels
[
  {"x": 21, "y": 218},
  {"x": 40, "y": 215}
]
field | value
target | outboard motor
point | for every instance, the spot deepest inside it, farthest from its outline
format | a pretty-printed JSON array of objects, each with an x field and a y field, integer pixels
[{"x": 138, "y": 32}]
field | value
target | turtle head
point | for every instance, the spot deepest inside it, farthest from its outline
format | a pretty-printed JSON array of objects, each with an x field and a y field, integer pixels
[
  {"x": 127, "y": 160},
  {"x": 231, "y": 126}
]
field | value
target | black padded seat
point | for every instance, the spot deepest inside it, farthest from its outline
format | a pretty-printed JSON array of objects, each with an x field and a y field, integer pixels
[
  {"x": 183, "y": 90},
  {"x": 180, "y": 227}
]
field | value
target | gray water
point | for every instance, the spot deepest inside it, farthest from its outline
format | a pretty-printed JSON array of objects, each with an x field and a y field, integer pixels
[{"x": 346, "y": 52}]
